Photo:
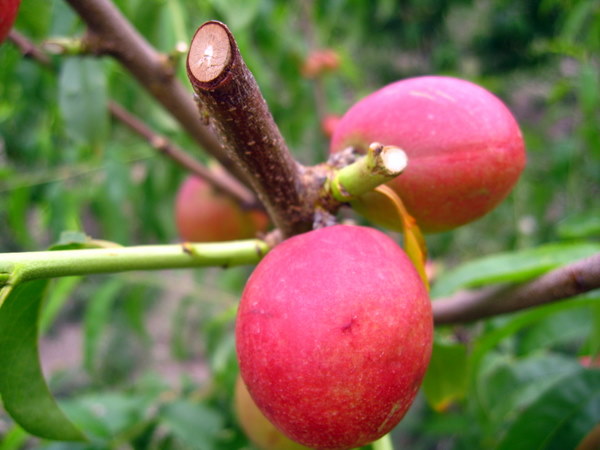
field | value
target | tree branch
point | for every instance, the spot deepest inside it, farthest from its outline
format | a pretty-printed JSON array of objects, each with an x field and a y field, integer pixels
[
  {"x": 111, "y": 33},
  {"x": 28, "y": 49},
  {"x": 232, "y": 100},
  {"x": 559, "y": 284},
  {"x": 222, "y": 181}
]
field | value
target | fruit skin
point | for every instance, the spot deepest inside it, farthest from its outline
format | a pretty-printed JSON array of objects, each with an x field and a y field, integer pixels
[
  {"x": 203, "y": 214},
  {"x": 8, "y": 14},
  {"x": 465, "y": 150},
  {"x": 334, "y": 335},
  {"x": 257, "y": 427}
]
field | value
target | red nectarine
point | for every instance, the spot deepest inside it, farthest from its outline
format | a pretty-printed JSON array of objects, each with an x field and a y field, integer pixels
[
  {"x": 334, "y": 335},
  {"x": 8, "y": 14},
  {"x": 256, "y": 426},
  {"x": 204, "y": 214},
  {"x": 464, "y": 147}
]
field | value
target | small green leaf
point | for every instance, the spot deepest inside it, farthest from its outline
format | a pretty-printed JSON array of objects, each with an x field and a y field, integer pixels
[
  {"x": 446, "y": 378},
  {"x": 512, "y": 267},
  {"x": 108, "y": 415},
  {"x": 24, "y": 391},
  {"x": 97, "y": 317},
  {"x": 581, "y": 226},
  {"x": 70, "y": 240},
  {"x": 507, "y": 385},
  {"x": 14, "y": 439},
  {"x": 561, "y": 417},
  {"x": 193, "y": 423},
  {"x": 238, "y": 14},
  {"x": 83, "y": 100},
  {"x": 62, "y": 288}
]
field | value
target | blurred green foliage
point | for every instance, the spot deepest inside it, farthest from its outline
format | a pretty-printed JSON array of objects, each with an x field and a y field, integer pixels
[{"x": 66, "y": 165}]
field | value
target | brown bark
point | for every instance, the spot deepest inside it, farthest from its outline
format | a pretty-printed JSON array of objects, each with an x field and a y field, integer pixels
[
  {"x": 559, "y": 284},
  {"x": 231, "y": 99}
]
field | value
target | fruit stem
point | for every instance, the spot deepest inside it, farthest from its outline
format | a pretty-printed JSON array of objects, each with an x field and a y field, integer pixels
[
  {"x": 380, "y": 165},
  {"x": 385, "y": 443},
  {"x": 61, "y": 263}
]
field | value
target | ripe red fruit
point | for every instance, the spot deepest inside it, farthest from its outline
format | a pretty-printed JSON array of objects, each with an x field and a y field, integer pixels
[
  {"x": 465, "y": 148},
  {"x": 334, "y": 335},
  {"x": 257, "y": 427},
  {"x": 329, "y": 123},
  {"x": 8, "y": 14},
  {"x": 204, "y": 214}
]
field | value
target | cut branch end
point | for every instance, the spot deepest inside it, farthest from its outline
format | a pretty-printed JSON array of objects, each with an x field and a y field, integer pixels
[{"x": 210, "y": 53}]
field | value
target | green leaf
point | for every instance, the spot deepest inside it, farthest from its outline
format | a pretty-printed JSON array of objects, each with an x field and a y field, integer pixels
[
  {"x": 584, "y": 225},
  {"x": 561, "y": 417},
  {"x": 14, "y": 439},
  {"x": 238, "y": 14},
  {"x": 71, "y": 240},
  {"x": 83, "y": 100},
  {"x": 512, "y": 267},
  {"x": 97, "y": 317},
  {"x": 62, "y": 289},
  {"x": 446, "y": 378},
  {"x": 523, "y": 319},
  {"x": 24, "y": 391},
  {"x": 108, "y": 415},
  {"x": 507, "y": 385},
  {"x": 193, "y": 423},
  {"x": 559, "y": 329}
]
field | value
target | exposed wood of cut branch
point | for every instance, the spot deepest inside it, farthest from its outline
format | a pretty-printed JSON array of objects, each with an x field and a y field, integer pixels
[
  {"x": 559, "y": 284},
  {"x": 111, "y": 33},
  {"x": 222, "y": 181},
  {"x": 237, "y": 109}
]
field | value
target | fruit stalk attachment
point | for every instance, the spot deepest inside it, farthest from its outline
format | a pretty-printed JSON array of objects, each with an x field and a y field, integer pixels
[{"x": 381, "y": 164}]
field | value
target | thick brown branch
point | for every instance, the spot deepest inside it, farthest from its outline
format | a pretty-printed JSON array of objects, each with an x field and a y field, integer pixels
[
  {"x": 230, "y": 97},
  {"x": 111, "y": 33},
  {"x": 559, "y": 284},
  {"x": 222, "y": 181}
]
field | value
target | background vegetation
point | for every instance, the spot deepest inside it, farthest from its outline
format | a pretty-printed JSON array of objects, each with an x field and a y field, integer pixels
[{"x": 146, "y": 361}]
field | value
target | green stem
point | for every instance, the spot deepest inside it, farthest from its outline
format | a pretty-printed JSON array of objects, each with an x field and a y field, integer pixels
[
  {"x": 380, "y": 165},
  {"x": 385, "y": 443},
  {"x": 49, "y": 264}
]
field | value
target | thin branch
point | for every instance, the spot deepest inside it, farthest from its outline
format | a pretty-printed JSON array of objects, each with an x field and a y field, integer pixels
[
  {"x": 28, "y": 49},
  {"x": 559, "y": 284},
  {"x": 26, "y": 266},
  {"x": 232, "y": 100},
  {"x": 222, "y": 181},
  {"x": 111, "y": 33}
]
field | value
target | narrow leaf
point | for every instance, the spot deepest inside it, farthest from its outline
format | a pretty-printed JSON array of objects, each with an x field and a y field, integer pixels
[
  {"x": 513, "y": 267},
  {"x": 446, "y": 378},
  {"x": 397, "y": 218},
  {"x": 97, "y": 317},
  {"x": 83, "y": 100},
  {"x": 24, "y": 391},
  {"x": 561, "y": 417}
]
